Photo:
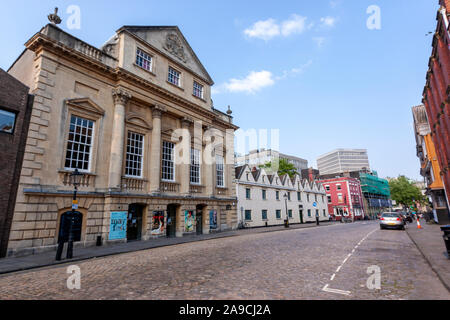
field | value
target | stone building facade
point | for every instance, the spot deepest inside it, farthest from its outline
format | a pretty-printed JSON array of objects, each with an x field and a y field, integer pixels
[
  {"x": 267, "y": 199},
  {"x": 135, "y": 117},
  {"x": 15, "y": 113}
]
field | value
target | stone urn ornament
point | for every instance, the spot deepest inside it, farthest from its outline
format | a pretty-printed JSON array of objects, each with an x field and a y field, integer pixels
[{"x": 54, "y": 18}]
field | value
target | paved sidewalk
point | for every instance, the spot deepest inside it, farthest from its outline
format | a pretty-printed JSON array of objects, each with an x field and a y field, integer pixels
[
  {"x": 14, "y": 264},
  {"x": 430, "y": 243}
]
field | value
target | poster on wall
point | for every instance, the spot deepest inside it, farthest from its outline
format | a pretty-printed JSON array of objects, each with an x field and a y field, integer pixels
[
  {"x": 189, "y": 217},
  {"x": 213, "y": 219},
  {"x": 118, "y": 225},
  {"x": 158, "y": 223}
]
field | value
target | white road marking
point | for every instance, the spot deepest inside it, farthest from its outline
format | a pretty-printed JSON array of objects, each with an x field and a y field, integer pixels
[
  {"x": 347, "y": 293},
  {"x": 342, "y": 264}
]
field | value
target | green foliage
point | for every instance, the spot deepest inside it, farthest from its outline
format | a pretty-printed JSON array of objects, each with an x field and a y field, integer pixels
[
  {"x": 404, "y": 192},
  {"x": 282, "y": 167}
]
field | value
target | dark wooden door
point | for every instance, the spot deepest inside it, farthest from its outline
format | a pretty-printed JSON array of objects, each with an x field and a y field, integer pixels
[
  {"x": 134, "y": 223},
  {"x": 199, "y": 222},
  {"x": 64, "y": 226},
  {"x": 171, "y": 221}
]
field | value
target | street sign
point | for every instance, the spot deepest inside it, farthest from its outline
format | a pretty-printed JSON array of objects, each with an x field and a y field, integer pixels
[
  {"x": 75, "y": 206},
  {"x": 74, "y": 201},
  {"x": 315, "y": 204}
]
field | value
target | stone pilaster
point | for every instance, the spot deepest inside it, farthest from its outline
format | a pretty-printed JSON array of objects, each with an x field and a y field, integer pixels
[
  {"x": 121, "y": 98},
  {"x": 184, "y": 162},
  {"x": 208, "y": 163},
  {"x": 155, "y": 150}
]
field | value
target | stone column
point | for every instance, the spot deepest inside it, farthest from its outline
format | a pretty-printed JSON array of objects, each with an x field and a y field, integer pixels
[
  {"x": 121, "y": 98},
  {"x": 185, "y": 160},
  {"x": 155, "y": 150}
]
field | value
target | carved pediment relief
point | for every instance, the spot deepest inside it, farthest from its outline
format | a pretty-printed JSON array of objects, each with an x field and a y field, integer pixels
[
  {"x": 86, "y": 104},
  {"x": 137, "y": 120},
  {"x": 175, "y": 46}
]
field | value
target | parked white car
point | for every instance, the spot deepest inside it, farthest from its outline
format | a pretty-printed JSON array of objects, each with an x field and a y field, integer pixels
[{"x": 392, "y": 220}]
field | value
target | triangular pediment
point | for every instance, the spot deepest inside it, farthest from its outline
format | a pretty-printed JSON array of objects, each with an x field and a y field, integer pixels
[
  {"x": 170, "y": 41},
  {"x": 87, "y": 105}
]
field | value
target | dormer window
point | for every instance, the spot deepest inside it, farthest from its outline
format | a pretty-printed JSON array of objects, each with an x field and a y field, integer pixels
[
  {"x": 143, "y": 60},
  {"x": 174, "y": 77},
  {"x": 198, "y": 90}
]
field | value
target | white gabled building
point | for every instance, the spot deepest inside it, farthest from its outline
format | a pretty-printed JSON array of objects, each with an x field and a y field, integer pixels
[{"x": 266, "y": 199}]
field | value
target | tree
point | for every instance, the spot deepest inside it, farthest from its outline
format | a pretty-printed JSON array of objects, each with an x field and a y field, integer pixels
[
  {"x": 282, "y": 167},
  {"x": 404, "y": 192}
]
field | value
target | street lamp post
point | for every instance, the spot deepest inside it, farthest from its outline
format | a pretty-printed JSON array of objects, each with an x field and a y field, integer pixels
[
  {"x": 76, "y": 179},
  {"x": 286, "y": 224}
]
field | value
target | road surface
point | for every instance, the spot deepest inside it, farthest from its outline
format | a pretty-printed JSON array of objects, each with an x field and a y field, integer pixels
[{"x": 329, "y": 262}]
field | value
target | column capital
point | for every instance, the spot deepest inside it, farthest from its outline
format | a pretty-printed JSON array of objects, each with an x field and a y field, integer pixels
[
  {"x": 121, "y": 96},
  {"x": 158, "y": 110},
  {"x": 186, "y": 122}
]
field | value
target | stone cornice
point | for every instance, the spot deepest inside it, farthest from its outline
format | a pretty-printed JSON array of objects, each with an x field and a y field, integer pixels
[
  {"x": 40, "y": 41},
  {"x": 69, "y": 193}
]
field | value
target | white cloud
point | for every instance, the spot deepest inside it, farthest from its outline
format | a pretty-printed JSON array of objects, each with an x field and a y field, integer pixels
[
  {"x": 319, "y": 41},
  {"x": 328, "y": 21},
  {"x": 255, "y": 81},
  {"x": 296, "y": 24},
  {"x": 268, "y": 29},
  {"x": 263, "y": 30}
]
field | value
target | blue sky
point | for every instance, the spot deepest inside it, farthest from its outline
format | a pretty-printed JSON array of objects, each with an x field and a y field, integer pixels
[{"x": 309, "y": 68}]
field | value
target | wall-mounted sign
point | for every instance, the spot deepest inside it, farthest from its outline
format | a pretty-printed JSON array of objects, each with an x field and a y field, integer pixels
[
  {"x": 189, "y": 218},
  {"x": 118, "y": 225},
  {"x": 213, "y": 219},
  {"x": 315, "y": 204},
  {"x": 158, "y": 223}
]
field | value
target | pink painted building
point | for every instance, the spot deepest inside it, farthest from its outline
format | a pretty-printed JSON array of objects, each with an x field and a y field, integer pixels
[{"x": 345, "y": 198}]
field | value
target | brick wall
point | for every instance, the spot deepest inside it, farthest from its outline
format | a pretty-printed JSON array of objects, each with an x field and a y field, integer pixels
[{"x": 14, "y": 97}]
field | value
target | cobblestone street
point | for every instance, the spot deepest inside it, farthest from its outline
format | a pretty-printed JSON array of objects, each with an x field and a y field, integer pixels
[{"x": 294, "y": 264}]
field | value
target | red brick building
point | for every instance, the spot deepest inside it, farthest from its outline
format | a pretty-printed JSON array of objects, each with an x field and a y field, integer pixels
[
  {"x": 436, "y": 94},
  {"x": 345, "y": 198},
  {"x": 15, "y": 113}
]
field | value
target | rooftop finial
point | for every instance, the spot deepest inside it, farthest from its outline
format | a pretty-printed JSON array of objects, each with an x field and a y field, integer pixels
[
  {"x": 54, "y": 18},
  {"x": 229, "y": 112}
]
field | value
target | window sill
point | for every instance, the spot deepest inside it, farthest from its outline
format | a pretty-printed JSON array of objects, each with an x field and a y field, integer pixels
[
  {"x": 148, "y": 71},
  {"x": 174, "y": 85},
  {"x": 82, "y": 172},
  {"x": 199, "y": 98}
]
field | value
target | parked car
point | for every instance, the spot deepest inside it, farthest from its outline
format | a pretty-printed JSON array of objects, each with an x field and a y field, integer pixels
[{"x": 392, "y": 220}]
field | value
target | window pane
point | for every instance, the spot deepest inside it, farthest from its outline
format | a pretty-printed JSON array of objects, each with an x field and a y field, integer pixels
[
  {"x": 195, "y": 166},
  {"x": 79, "y": 145},
  {"x": 220, "y": 171},
  {"x": 135, "y": 155},
  {"x": 168, "y": 161},
  {"x": 143, "y": 60},
  {"x": 7, "y": 121}
]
